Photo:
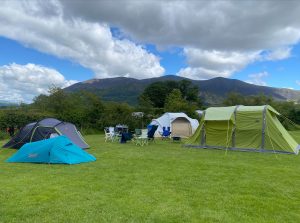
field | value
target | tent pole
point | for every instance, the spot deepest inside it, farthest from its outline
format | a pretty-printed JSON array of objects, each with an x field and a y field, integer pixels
[
  {"x": 264, "y": 127},
  {"x": 203, "y": 140},
  {"x": 234, "y": 126},
  {"x": 203, "y": 135}
]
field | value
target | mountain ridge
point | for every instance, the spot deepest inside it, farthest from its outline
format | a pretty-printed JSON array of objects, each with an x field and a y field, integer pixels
[{"x": 213, "y": 91}]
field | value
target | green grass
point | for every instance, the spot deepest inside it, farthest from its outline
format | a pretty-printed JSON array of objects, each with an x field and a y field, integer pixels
[{"x": 162, "y": 182}]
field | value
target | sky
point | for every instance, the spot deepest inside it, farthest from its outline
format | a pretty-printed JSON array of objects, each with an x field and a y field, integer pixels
[{"x": 61, "y": 42}]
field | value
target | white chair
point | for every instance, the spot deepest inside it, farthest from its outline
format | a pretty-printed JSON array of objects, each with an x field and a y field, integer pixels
[
  {"x": 113, "y": 133},
  {"x": 143, "y": 138},
  {"x": 107, "y": 135}
]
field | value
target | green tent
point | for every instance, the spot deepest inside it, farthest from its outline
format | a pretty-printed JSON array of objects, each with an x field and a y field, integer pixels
[{"x": 246, "y": 128}]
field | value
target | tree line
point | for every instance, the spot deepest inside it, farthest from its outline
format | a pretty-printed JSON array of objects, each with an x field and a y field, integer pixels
[{"x": 91, "y": 114}]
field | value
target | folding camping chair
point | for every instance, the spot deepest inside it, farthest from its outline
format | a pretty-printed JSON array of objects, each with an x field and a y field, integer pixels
[
  {"x": 109, "y": 134},
  {"x": 113, "y": 133},
  {"x": 137, "y": 133},
  {"x": 166, "y": 133},
  {"x": 151, "y": 132},
  {"x": 143, "y": 138}
]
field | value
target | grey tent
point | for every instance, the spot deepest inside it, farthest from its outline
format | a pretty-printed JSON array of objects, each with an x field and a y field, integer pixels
[{"x": 45, "y": 129}]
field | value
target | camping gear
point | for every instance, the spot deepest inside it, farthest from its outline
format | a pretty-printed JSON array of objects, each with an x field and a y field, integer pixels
[
  {"x": 180, "y": 124},
  {"x": 45, "y": 129},
  {"x": 125, "y": 136},
  {"x": 55, "y": 150},
  {"x": 107, "y": 135},
  {"x": 176, "y": 138},
  {"x": 166, "y": 133},
  {"x": 137, "y": 132},
  {"x": 151, "y": 132},
  {"x": 110, "y": 134},
  {"x": 146, "y": 136},
  {"x": 245, "y": 128},
  {"x": 142, "y": 139},
  {"x": 119, "y": 129}
]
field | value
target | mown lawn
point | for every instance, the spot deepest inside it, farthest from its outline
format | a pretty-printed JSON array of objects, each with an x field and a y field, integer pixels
[{"x": 162, "y": 182}]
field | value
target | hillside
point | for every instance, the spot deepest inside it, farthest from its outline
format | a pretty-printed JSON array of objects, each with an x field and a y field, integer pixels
[
  {"x": 213, "y": 91},
  {"x": 6, "y": 104}
]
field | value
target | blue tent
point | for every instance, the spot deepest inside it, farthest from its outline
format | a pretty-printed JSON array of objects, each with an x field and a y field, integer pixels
[{"x": 54, "y": 150}]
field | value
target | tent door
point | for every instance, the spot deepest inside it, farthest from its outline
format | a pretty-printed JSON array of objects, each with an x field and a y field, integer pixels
[
  {"x": 41, "y": 133},
  {"x": 181, "y": 127}
]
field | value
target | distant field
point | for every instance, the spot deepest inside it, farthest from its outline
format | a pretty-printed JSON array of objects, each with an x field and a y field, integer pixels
[{"x": 162, "y": 182}]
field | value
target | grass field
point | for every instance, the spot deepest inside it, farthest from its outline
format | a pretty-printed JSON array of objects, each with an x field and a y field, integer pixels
[{"x": 162, "y": 182}]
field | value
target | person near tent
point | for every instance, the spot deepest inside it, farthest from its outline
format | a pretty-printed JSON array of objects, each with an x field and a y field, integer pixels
[{"x": 11, "y": 131}]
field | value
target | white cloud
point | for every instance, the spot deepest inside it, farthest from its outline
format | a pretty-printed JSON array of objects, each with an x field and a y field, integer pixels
[
  {"x": 21, "y": 83},
  {"x": 204, "y": 64},
  {"x": 298, "y": 82},
  {"x": 200, "y": 73},
  {"x": 257, "y": 78},
  {"x": 43, "y": 26},
  {"x": 209, "y": 25},
  {"x": 278, "y": 54},
  {"x": 219, "y": 37}
]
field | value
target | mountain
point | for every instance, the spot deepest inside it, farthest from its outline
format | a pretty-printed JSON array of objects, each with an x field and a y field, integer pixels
[
  {"x": 213, "y": 91},
  {"x": 7, "y": 104}
]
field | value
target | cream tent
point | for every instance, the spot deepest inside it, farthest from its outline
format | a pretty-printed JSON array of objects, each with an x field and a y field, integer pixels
[{"x": 180, "y": 124}]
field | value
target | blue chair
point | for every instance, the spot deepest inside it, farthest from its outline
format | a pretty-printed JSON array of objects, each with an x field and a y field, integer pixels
[
  {"x": 151, "y": 132},
  {"x": 166, "y": 133}
]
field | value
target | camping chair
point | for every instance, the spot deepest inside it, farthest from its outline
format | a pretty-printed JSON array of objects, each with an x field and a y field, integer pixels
[
  {"x": 113, "y": 133},
  {"x": 166, "y": 133},
  {"x": 151, "y": 132},
  {"x": 143, "y": 138},
  {"x": 109, "y": 134},
  {"x": 137, "y": 133}
]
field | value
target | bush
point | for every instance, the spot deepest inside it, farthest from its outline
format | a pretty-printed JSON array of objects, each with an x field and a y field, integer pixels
[{"x": 3, "y": 135}]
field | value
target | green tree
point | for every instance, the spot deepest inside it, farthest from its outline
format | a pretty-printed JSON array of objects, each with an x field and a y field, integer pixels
[
  {"x": 157, "y": 92},
  {"x": 145, "y": 102},
  {"x": 175, "y": 102},
  {"x": 260, "y": 99},
  {"x": 234, "y": 98},
  {"x": 189, "y": 91}
]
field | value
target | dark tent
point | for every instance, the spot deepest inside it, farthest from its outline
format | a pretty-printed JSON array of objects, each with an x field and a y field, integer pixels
[{"x": 44, "y": 129}]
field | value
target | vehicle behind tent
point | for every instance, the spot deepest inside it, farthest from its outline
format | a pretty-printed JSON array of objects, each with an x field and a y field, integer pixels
[{"x": 45, "y": 129}]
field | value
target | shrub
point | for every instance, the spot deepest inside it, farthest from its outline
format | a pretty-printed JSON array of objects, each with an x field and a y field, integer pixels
[{"x": 3, "y": 135}]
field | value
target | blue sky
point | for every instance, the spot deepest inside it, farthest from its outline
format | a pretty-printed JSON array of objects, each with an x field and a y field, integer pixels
[
  {"x": 60, "y": 42},
  {"x": 14, "y": 52},
  {"x": 283, "y": 73}
]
